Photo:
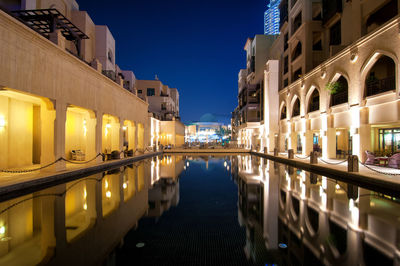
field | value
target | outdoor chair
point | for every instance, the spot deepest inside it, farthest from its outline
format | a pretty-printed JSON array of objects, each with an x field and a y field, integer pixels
[
  {"x": 77, "y": 155},
  {"x": 394, "y": 161},
  {"x": 371, "y": 159}
]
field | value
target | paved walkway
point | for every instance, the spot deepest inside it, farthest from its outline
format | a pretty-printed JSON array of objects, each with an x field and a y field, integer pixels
[
  {"x": 372, "y": 176},
  {"x": 15, "y": 182}
]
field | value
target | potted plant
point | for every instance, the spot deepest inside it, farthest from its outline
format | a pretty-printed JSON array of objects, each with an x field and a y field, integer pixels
[{"x": 333, "y": 87}]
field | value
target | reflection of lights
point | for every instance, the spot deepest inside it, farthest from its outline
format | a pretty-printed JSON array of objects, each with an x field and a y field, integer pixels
[
  {"x": 108, "y": 194},
  {"x": 2, "y": 121},
  {"x": 337, "y": 187},
  {"x": 187, "y": 164},
  {"x": 108, "y": 125},
  {"x": 337, "y": 133},
  {"x": 124, "y": 128},
  {"x": 84, "y": 127},
  {"x": 354, "y": 213},
  {"x": 184, "y": 167},
  {"x": 106, "y": 184},
  {"x": 227, "y": 168},
  {"x": 125, "y": 185},
  {"x": 85, "y": 206},
  {"x": 84, "y": 193},
  {"x": 2, "y": 230},
  {"x": 225, "y": 164}
]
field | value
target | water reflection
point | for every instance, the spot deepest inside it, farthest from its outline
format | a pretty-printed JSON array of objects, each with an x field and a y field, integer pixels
[
  {"x": 80, "y": 207},
  {"x": 319, "y": 220},
  {"x": 290, "y": 216}
]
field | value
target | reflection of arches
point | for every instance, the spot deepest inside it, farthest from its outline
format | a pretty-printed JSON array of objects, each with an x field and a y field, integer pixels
[
  {"x": 379, "y": 73},
  {"x": 297, "y": 51},
  {"x": 296, "y": 106},
  {"x": 313, "y": 99},
  {"x": 340, "y": 94}
]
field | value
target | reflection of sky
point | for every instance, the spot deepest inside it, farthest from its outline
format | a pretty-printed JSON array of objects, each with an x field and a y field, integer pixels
[{"x": 202, "y": 228}]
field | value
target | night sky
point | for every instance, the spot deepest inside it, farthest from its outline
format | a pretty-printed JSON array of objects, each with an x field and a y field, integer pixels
[{"x": 194, "y": 46}]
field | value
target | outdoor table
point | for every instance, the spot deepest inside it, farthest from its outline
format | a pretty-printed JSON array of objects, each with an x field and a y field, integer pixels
[{"x": 383, "y": 161}]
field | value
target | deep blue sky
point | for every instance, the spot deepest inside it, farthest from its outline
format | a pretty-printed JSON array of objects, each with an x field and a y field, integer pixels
[{"x": 194, "y": 46}]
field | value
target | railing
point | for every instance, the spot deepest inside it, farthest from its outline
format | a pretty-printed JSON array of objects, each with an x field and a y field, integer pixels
[
  {"x": 380, "y": 85},
  {"x": 109, "y": 74},
  {"x": 339, "y": 98}
]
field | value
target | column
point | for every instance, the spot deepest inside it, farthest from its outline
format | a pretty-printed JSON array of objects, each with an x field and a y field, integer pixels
[
  {"x": 364, "y": 134},
  {"x": 331, "y": 145},
  {"x": 136, "y": 137},
  {"x": 308, "y": 145},
  {"x": 121, "y": 135},
  {"x": 59, "y": 134},
  {"x": 99, "y": 135}
]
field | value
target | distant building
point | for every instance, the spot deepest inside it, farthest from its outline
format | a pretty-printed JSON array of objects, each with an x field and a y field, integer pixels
[
  {"x": 163, "y": 101},
  {"x": 165, "y": 126},
  {"x": 206, "y": 132},
  {"x": 271, "y": 18}
]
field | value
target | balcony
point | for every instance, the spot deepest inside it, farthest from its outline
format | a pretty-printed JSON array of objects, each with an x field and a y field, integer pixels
[
  {"x": 297, "y": 23},
  {"x": 109, "y": 74},
  {"x": 252, "y": 65},
  {"x": 380, "y": 85},
  {"x": 329, "y": 9},
  {"x": 283, "y": 13}
]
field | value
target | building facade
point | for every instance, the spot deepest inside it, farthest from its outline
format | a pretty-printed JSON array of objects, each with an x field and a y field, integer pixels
[
  {"x": 60, "y": 89},
  {"x": 166, "y": 127},
  {"x": 337, "y": 78},
  {"x": 271, "y": 18}
]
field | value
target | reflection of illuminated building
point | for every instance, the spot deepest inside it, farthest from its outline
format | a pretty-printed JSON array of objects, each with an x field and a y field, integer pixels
[
  {"x": 171, "y": 166},
  {"x": 319, "y": 220},
  {"x": 165, "y": 190},
  {"x": 75, "y": 223},
  {"x": 163, "y": 195}
]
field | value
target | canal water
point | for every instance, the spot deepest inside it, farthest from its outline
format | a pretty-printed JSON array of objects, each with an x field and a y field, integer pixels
[{"x": 208, "y": 210}]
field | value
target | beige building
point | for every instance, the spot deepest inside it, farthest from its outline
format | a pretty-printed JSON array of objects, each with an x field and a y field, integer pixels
[
  {"x": 255, "y": 119},
  {"x": 345, "y": 99},
  {"x": 163, "y": 103},
  {"x": 55, "y": 97},
  {"x": 337, "y": 79}
]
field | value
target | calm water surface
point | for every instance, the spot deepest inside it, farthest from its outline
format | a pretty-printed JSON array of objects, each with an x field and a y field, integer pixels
[{"x": 183, "y": 210}]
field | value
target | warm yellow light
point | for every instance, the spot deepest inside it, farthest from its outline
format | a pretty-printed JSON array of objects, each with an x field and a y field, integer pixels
[
  {"x": 85, "y": 206},
  {"x": 124, "y": 128},
  {"x": 84, "y": 193},
  {"x": 337, "y": 186},
  {"x": 106, "y": 184},
  {"x": 125, "y": 185},
  {"x": 108, "y": 125},
  {"x": 225, "y": 164},
  {"x": 227, "y": 168},
  {"x": 338, "y": 133},
  {"x": 84, "y": 127},
  {"x": 108, "y": 194},
  {"x": 2, "y": 230},
  {"x": 2, "y": 121}
]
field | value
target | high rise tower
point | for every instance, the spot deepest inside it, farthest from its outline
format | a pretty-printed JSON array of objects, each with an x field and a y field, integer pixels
[{"x": 271, "y": 18}]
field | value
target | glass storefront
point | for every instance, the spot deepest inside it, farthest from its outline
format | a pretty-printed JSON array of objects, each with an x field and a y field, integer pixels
[{"x": 389, "y": 140}]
